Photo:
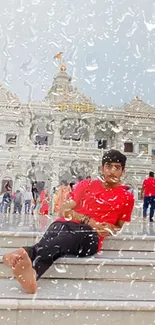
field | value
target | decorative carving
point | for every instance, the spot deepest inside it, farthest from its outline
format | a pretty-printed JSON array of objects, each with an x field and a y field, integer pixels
[
  {"x": 7, "y": 97},
  {"x": 71, "y": 170},
  {"x": 74, "y": 129},
  {"x": 42, "y": 131},
  {"x": 81, "y": 168},
  {"x": 103, "y": 130}
]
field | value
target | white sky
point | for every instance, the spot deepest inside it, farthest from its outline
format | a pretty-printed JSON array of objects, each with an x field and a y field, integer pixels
[{"x": 108, "y": 47}]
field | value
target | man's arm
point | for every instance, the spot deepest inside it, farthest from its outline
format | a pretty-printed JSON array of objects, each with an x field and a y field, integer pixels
[
  {"x": 69, "y": 205},
  {"x": 142, "y": 193},
  {"x": 75, "y": 198}
]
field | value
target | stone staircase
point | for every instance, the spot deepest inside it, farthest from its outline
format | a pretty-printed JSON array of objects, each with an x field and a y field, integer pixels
[{"x": 115, "y": 286}]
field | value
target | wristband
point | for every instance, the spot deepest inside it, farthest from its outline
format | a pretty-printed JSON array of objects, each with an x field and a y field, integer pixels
[{"x": 85, "y": 220}]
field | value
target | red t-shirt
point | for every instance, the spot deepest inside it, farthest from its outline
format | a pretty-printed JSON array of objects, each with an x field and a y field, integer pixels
[
  {"x": 149, "y": 186},
  {"x": 102, "y": 204}
]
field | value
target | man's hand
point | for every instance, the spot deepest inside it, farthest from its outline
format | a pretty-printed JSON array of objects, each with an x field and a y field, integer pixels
[
  {"x": 67, "y": 208},
  {"x": 112, "y": 229},
  {"x": 103, "y": 229},
  {"x": 98, "y": 227}
]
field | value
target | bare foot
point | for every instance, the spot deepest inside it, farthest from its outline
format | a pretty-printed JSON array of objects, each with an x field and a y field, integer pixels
[
  {"x": 9, "y": 259},
  {"x": 23, "y": 271}
]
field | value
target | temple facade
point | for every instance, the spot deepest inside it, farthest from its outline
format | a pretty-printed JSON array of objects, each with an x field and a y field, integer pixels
[{"x": 65, "y": 135}]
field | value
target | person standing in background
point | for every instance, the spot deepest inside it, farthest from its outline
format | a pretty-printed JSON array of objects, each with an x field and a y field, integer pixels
[
  {"x": 18, "y": 202},
  {"x": 6, "y": 202},
  {"x": 44, "y": 202},
  {"x": 35, "y": 195},
  {"x": 148, "y": 196},
  {"x": 28, "y": 197}
]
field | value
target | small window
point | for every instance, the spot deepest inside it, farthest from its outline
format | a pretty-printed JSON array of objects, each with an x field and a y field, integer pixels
[
  {"x": 102, "y": 144},
  {"x": 11, "y": 139},
  {"x": 143, "y": 147},
  {"x": 153, "y": 152},
  {"x": 128, "y": 147},
  {"x": 41, "y": 140}
]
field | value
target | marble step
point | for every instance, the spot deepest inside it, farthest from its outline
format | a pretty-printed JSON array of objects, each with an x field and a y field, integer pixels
[
  {"x": 96, "y": 267},
  {"x": 119, "y": 243},
  {"x": 109, "y": 253},
  {"x": 60, "y": 302}
]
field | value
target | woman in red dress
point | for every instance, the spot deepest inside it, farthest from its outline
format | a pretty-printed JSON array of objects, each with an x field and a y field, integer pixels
[{"x": 44, "y": 208}]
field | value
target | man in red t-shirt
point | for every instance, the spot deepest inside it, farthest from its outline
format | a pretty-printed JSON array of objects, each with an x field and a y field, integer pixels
[
  {"x": 94, "y": 210},
  {"x": 148, "y": 196}
]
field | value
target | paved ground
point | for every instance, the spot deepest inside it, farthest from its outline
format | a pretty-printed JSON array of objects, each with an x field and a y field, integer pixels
[{"x": 23, "y": 223}]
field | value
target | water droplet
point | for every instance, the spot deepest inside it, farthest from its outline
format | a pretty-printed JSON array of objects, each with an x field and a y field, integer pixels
[
  {"x": 91, "y": 62},
  {"x": 10, "y": 165},
  {"x": 35, "y": 2},
  {"x": 11, "y": 149},
  {"x": 61, "y": 268},
  {"x": 92, "y": 67},
  {"x": 117, "y": 129},
  {"x": 20, "y": 123},
  {"x": 16, "y": 109}
]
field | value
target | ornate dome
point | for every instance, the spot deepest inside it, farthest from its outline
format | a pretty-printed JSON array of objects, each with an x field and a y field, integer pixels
[
  {"x": 64, "y": 97},
  {"x": 61, "y": 84},
  {"x": 138, "y": 106},
  {"x": 7, "y": 97}
]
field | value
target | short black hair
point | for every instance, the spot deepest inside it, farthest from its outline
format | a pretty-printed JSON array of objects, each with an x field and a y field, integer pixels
[
  {"x": 114, "y": 156},
  {"x": 64, "y": 182},
  {"x": 151, "y": 174},
  {"x": 80, "y": 178},
  {"x": 72, "y": 185}
]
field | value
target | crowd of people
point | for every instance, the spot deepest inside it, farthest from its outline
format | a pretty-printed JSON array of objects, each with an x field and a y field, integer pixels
[
  {"x": 30, "y": 201},
  {"x": 92, "y": 211},
  {"x": 17, "y": 200}
]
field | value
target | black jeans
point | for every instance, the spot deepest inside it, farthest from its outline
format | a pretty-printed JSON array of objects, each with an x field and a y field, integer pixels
[
  {"x": 149, "y": 200},
  {"x": 60, "y": 239}
]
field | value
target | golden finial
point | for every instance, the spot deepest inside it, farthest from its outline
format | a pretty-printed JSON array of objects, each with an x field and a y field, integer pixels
[{"x": 63, "y": 67}]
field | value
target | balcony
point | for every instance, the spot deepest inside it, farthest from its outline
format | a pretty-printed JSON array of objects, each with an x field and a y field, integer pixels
[
  {"x": 140, "y": 160},
  {"x": 78, "y": 144}
]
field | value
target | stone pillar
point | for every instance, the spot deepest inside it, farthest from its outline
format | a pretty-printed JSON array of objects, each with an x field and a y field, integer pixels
[
  {"x": 150, "y": 149},
  {"x": 113, "y": 141},
  {"x": 2, "y": 139},
  {"x": 92, "y": 132},
  {"x": 25, "y": 140},
  {"x": 56, "y": 139},
  {"x": 136, "y": 148},
  {"x": 55, "y": 168},
  {"x": 119, "y": 141}
]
